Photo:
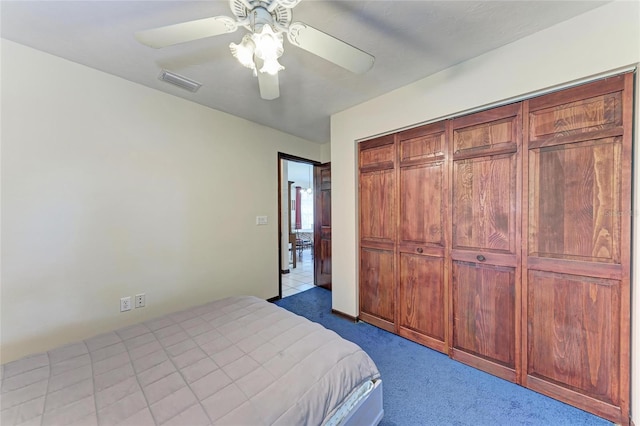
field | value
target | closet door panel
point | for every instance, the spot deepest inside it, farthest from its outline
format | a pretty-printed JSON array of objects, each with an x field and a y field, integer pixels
[
  {"x": 377, "y": 206},
  {"x": 484, "y": 312},
  {"x": 573, "y": 333},
  {"x": 422, "y": 144},
  {"x": 484, "y": 203},
  {"x": 422, "y": 296},
  {"x": 377, "y": 157},
  {"x": 575, "y": 192},
  {"x": 421, "y": 205},
  {"x": 485, "y": 236},
  {"x": 492, "y": 132},
  {"x": 377, "y": 153},
  {"x": 601, "y": 110},
  {"x": 377, "y": 212},
  {"x": 483, "y": 135},
  {"x": 576, "y": 272},
  {"x": 423, "y": 284},
  {"x": 377, "y": 290}
]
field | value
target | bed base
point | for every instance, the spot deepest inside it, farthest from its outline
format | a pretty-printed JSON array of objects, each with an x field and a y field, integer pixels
[{"x": 368, "y": 411}]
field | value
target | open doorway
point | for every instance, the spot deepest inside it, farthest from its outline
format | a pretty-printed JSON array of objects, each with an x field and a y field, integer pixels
[{"x": 296, "y": 224}]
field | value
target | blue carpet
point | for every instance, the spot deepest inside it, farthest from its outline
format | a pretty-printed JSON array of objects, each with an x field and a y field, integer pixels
[{"x": 424, "y": 387}]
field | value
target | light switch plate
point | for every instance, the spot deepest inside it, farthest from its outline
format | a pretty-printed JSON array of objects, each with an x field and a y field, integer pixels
[{"x": 261, "y": 220}]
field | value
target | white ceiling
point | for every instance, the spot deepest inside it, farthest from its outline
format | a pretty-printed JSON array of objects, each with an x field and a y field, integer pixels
[{"x": 409, "y": 39}]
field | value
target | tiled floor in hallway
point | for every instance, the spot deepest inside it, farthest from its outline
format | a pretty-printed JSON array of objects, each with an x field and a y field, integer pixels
[{"x": 301, "y": 277}]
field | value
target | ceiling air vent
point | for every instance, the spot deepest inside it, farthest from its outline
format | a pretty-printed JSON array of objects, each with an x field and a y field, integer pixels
[{"x": 180, "y": 81}]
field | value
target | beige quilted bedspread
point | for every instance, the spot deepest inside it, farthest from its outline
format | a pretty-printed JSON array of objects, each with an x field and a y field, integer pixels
[{"x": 236, "y": 361}]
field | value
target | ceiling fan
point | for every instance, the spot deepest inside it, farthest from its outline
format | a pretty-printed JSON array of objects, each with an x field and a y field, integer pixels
[{"x": 259, "y": 50}]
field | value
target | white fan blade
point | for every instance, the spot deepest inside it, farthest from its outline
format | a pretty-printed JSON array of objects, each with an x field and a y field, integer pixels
[
  {"x": 329, "y": 48},
  {"x": 287, "y": 4},
  {"x": 186, "y": 31},
  {"x": 269, "y": 86}
]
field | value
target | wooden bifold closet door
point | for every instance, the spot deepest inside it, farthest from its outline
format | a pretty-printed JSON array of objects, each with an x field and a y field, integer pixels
[
  {"x": 503, "y": 238},
  {"x": 378, "y": 232},
  {"x": 576, "y": 270},
  {"x": 485, "y": 239},
  {"x": 422, "y": 273}
]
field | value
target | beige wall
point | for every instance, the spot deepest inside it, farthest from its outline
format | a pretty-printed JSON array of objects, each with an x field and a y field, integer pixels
[
  {"x": 326, "y": 152},
  {"x": 110, "y": 189},
  {"x": 605, "y": 39}
]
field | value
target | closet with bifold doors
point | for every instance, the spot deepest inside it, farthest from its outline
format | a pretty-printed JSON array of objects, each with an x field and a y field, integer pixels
[{"x": 502, "y": 238}]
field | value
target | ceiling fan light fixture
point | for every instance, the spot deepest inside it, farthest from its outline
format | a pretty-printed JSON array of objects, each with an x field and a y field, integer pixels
[
  {"x": 244, "y": 51},
  {"x": 267, "y": 22},
  {"x": 271, "y": 66},
  {"x": 268, "y": 44},
  {"x": 260, "y": 50}
]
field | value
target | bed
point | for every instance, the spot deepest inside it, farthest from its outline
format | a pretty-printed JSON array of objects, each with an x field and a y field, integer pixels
[{"x": 235, "y": 361}]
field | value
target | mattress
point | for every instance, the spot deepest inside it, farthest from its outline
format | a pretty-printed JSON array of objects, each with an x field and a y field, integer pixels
[{"x": 236, "y": 361}]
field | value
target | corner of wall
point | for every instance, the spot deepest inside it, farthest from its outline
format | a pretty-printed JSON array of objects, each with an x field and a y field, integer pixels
[{"x": 325, "y": 152}]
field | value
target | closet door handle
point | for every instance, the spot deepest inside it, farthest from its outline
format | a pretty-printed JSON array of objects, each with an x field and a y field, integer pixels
[
  {"x": 419, "y": 250},
  {"x": 481, "y": 258}
]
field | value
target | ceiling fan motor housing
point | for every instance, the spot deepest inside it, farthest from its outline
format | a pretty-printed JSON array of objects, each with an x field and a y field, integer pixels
[{"x": 270, "y": 12}]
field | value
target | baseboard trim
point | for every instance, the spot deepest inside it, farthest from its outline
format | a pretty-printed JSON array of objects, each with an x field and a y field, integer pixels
[
  {"x": 284, "y": 271},
  {"x": 343, "y": 315},
  {"x": 274, "y": 299}
]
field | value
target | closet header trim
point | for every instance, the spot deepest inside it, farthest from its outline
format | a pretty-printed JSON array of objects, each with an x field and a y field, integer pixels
[{"x": 508, "y": 101}]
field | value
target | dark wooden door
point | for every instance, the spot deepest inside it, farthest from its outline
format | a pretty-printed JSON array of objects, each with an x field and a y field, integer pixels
[
  {"x": 578, "y": 228},
  {"x": 322, "y": 227},
  {"x": 422, "y": 280},
  {"x": 485, "y": 254},
  {"x": 377, "y": 210}
]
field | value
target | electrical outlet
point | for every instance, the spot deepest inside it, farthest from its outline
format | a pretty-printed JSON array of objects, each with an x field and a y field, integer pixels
[
  {"x": 261, "y": 220},
  {"x": 125, "y": 304},
  {"x": 140, "y": 300}
]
